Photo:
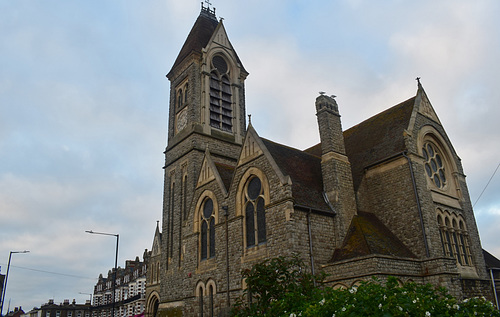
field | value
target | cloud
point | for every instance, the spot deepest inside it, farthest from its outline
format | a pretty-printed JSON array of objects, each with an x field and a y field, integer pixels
[{"x": 84, "y": 103}]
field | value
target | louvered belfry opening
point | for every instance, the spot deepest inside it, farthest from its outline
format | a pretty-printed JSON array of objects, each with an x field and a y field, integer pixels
[{"x": 221, "y": 111}]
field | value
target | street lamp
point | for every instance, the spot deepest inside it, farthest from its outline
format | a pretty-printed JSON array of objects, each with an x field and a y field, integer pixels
[
  {"x": 4, "y": 289},
  {"x": 116, "y": 263},
  {"x": 90, "y": 295}
]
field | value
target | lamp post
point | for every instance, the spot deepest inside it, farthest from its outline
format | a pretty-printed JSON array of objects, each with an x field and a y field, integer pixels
[
  {"x": 116, "y": 263},
  {"x": 4, "y": 289},
  {"x": 90, "y": 295}
]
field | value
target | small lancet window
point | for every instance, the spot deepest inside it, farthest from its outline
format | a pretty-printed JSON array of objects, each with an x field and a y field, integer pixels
[{"x": 179, "y": 99}]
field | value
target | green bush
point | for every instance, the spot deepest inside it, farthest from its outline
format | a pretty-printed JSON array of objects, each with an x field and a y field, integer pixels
[
  {"x": 283, "y": 287},
  {"x": 277, "y": 286}
]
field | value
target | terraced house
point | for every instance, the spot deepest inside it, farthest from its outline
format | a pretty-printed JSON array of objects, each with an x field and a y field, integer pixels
[{"x": 385, "y": 197}]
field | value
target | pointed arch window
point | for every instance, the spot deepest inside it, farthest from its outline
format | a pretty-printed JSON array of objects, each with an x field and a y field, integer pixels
[
  {"x": 454, "y": 237},
  {"x": 181, "y": 95},
  {"x": 255, "y": 214},
  {"x": 221, "y": 111},
  {"x": 211, "y": 300},
  {"x": 179, "y": 99},
  {"x": 207, "y": 230}
]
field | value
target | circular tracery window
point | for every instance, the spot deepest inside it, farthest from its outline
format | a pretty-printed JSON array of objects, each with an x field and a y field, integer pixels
[
  {"x": 220, "y": 64},
  {"x": 434, "y": 166}
]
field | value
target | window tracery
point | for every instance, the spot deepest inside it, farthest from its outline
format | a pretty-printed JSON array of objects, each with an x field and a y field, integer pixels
[
  {"x": 454, "y": 237},
  {"x": 255, "y": 214},
  {"x": 434, "y": 165}
]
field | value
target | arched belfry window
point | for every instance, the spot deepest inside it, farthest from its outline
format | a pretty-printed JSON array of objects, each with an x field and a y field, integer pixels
[
  {"x": 221, "y": 111},
  {"x": 207, "y": 229},
  {"x": 255, "y": 214}
]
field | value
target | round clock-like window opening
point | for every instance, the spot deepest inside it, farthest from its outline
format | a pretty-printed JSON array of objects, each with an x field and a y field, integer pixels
[
  {"x": 220, "y": 64},
  {"x": 434, "y": 166}
]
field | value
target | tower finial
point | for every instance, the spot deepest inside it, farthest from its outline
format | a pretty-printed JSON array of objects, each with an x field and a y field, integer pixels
[
  {"x": 418, "y": 80},
  {"x": 249, "y": 119},
  {"x": 207, "y": 10}
]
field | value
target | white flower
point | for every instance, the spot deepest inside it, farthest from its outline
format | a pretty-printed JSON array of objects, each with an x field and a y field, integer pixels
[
  {"x": 333, "y": 315},
  {"x": 321, "y": 302},
  {"x": 456, "y": 306},
  {"x": 414, "y": 301},
  {"x": 400, "y": 308},
  {"x": 385, "y": 297},
  {"x": 343, "y": 308},
  {"x": 427, "y": 314},
  {"x": 379, "y": 306},
  {"x": 352, "y": 290},
  {"x": 293, "y": 315}
]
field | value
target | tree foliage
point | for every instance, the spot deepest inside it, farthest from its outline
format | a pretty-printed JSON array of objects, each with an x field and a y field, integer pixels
[
  {"x": 283, "y": 287},
  {"x": 277, "y": 285}
]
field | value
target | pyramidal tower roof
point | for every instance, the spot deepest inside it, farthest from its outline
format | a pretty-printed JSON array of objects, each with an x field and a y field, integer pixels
[{"x": 200, "y": 34}]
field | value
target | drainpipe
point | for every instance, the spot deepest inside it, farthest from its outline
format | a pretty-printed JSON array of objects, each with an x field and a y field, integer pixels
[
  {"x": 418, "y": 204},
  {"x": 226, "y": 215},
  {"x": 310, "y": 244},
  {"x": 493, "y": 283}
]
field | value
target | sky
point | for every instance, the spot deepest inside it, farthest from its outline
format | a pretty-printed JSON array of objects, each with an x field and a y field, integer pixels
[{"x": 84, "y": 105}]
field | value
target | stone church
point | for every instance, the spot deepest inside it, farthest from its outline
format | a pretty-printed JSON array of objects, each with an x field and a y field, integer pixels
[{"x": 385, "y": 197}]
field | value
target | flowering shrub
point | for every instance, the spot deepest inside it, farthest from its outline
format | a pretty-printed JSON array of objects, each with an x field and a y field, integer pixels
[
  {"x": 282, "y": 287},
  {"x": 390, "y": 299}
]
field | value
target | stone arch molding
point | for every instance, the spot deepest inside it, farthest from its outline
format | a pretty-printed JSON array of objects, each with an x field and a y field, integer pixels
[
  {"x": 152, "y": 304},
  {"x": 203, "y": 288},
  {"x": 197, "y": 212},
  {"x": 251, "y": 171},
  {"x": 429, "y": 135}
]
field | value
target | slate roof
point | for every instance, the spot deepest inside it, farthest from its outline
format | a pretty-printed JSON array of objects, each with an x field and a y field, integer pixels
[
  {"x": 305, "y": 171},
  {"x": 226, "y": 173},
  {"x": 368, "y": 235},
  {"x": 198, "y": 37},
  {"x": 377, "y": 138},
  {"x": 490, "y": 260}
]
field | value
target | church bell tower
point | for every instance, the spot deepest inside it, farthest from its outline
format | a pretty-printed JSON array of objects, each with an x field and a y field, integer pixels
[{"x": 206, "y": 112}]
